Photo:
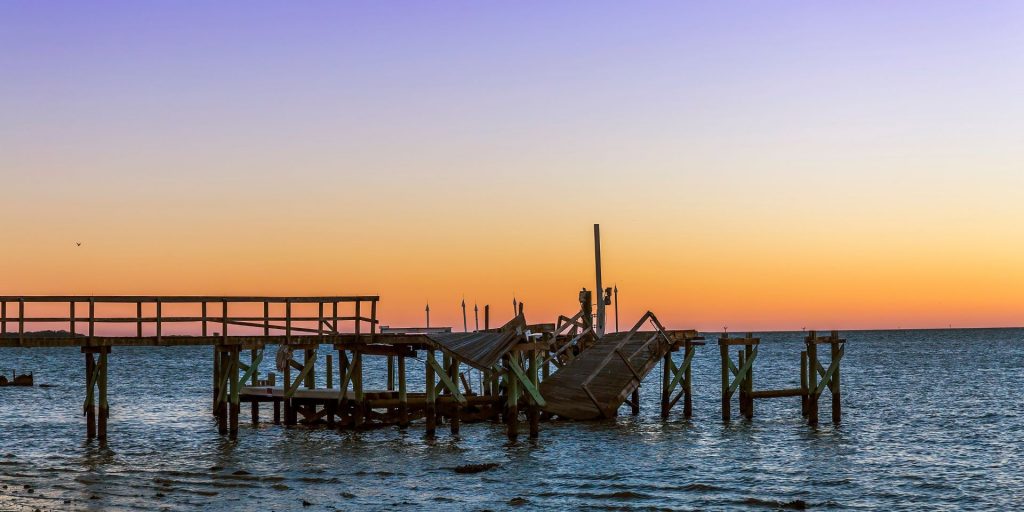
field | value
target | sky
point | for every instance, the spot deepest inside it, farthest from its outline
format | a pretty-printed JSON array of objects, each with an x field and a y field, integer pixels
[{"x": 753, "y": 165}]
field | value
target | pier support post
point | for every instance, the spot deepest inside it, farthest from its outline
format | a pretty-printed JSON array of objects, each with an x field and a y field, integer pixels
[
  {"x": 812, "y": 378},
  {"x": 455, "y": 418},
  {"x": 534, "y": 412},
  {"x": 254, "y": 405},
  {"x": 431, "y": 412},
  {"x": 666, "y": 363},
  {"x": 688, "y": 381},
  {"x": 96, "y": 384},
  {"x": 289, "y": 410},
  {"x": 837, "y": 408},
  {"x": 359, "y": 415},
  {"x": 724, "y": 350},
  {"x": 216, "y": 376},
  {"x": 512, "y": 401},
  {"x": 233, "y": 386},
  {"x": 803, "y": 383},
  {"x": 635, "y": 401},
  {"x": 748, "y": 382},
  {"x": 403, "y": 400}
]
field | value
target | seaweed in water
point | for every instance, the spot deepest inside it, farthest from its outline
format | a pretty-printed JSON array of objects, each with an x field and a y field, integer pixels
[{"x": 475, "y": 468}]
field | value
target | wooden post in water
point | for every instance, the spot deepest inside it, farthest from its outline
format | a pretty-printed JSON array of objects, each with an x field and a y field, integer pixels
[
  {"x": 391, "y": 373},
  {"x": 724, "y": 350},
  {"x": 534, "y": 411},
  {"x": 635, "y": 401},
  {"x": 688, "y": 381},
  {"x": 431, "y": 413},
  {"x": 487, "y": 316},
  {"x": 254, "y": 405},
  {"x": 90, "y": 406},
  {"x": 748, "y": 382},
  {"x": 740, "y": 359},
  {"x": 666, "y": 362},
  {"x": 512, "y": 405},
  {"x": 272, "y": 381},
  {"x": 812, "y": 378},
  {"x": 216, "y": 378},
  {"x": 403, "y": 401},
  {"x": 456, "y": 409},
  {"x": 104, "y": 412},
  {"x": 329, "y": 371},
  {"x": 803, "y": 383},
  {"x": 837, "y": 408},
  {"x": 233, "y": 386}
]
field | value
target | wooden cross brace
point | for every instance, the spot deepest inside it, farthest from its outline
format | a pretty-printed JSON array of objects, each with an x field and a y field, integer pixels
[
  {"x": 526, "y": 382},
  {"x": 443, "y": 377},
  {"x": 678, "y": 372},
  {"x": 310, "y": 362},
  {"x": 741, "y": 373},
  {"x": 827, "y": 375}
]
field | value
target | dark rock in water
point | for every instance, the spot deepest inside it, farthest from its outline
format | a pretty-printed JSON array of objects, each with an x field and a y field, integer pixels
[
  {"x": 94, "y": 497},
  {"x": 216, "y": 468},
  {"x": 518, "y": 500},
  {"x": 795, "y": 505},
  {"x": 159, "y": 495},
  {"x": 280, "y": 487},
  {"x": 27, "y": 486},
  {"x": 241, "y": 472},
  {"x": 347, "y": 495},
  {"x": 475, "y": 468},
  {"x": 306, "y": 503}
]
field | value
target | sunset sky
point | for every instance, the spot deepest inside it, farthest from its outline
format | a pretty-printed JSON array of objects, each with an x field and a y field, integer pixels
[{"x": 757, "y": 165}]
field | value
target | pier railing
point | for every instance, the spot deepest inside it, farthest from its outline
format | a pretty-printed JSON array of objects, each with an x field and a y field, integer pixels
[{"x": 41, "y": 321}]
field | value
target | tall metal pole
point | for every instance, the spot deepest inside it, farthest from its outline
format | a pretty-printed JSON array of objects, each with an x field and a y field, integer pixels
[
  {"x": 465, "y": 326},
  {"x": 616, "y": 291},
  {"x": 600, "y": 290},
  {"x": 428, "y": 315},
  {"x": 476, "y": 316},
  {"x": 515, "y": 307}
]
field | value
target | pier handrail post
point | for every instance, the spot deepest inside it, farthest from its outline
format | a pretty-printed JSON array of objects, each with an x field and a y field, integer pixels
[
  {"x": 3, "y": 317},
  {"x": 71, "y": 318},
  {"x": 138, "y": 319},
  {"x": 223, "y": 320},
  {"x": 159, "y": 320},
  {"x": 21, "y": 321}
]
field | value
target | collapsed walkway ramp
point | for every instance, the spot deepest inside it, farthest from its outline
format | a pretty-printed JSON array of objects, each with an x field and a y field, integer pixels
[{"x": 598, "y": 380}]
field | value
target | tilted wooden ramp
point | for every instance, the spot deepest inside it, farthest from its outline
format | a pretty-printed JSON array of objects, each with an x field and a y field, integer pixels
[{"x": 598, "y": 380}]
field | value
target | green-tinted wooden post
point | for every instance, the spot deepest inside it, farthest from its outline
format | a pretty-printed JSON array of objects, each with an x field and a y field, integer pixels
[
  {"x": 357, "y": 389},
  {"x": 812, "y": 381},
  {"x": 803, "y": 383},
  {"x": 216, "y": 378},
  {"x": 329, "y": 371},
  {"x": 512, "y": 406},
  {"x": 391, "y": 373},
  {"x": 688, "y": 382},
  {"x": 724, "y": 350},
  {"x": 741, "y": 358},
  {"x": 90, "y": 406},
  {"x": 254, "y": 405},
  {"x": 233, "y": 386},
  {"x": 534, "y": 412},
  {"x": 104, "y": 412},
  {"x": 225, "y": 390},
  {"x": 456, "y": 409},
  {"x": 431, "y": 412},
  {"x": 837, "y": 408},
  {"x": 309, "y": 359},
  {"x": 403, "y": 400},
  {"x": 666, "y": 370},
  {"x": 288, "y": 408},
  {"x": 749, "y": 382}
]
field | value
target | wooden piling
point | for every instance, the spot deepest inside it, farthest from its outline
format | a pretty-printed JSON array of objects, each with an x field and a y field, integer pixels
[
  {"x": 812, "y": 378},
  {"x": 431, "y": 408},
  {"x": 216, "y": 378},
  {"x": 456, "y": 409},
  {"x": 403, "y": 400},
  {"x": 742, "y": 388},
  {"x": 329, "y": 371},
  {"x": 233, "y": 387},
  {"x": 837, "y": 408},
  {"x": 104, "y": 406},
  {"x": 688, "y": 382},
  {"x": 724, "y": 350},
  {"x": 666, "y": 372},
  {"x": 90, "y": 406},
  {"x": 803, "y": 383},
  {"x": 748, "y": 383},
  {"x": 512, "y": 403},
  {"x": 635, "y": 401},
  {"x": 534, "y": 412},
  {"x": 254, "y": 405}
]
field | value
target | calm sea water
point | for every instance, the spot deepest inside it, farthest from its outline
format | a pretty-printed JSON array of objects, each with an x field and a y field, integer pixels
[{"x": 932, "y": 420}]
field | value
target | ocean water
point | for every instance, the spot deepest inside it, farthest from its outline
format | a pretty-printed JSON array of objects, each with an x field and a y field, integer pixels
[{"x": 932, "y": 420}]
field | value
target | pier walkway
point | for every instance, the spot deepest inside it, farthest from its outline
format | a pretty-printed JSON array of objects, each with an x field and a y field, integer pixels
[{"x": 596, "y": 382}]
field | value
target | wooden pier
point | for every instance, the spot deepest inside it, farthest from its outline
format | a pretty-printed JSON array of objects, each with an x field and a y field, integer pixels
[{"x": 529, "y": 372}]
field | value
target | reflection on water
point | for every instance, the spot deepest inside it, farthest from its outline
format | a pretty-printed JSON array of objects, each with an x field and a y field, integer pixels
[{"x": 931, "y": 420}]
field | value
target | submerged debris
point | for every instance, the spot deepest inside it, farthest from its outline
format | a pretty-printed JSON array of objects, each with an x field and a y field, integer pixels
[{"x": 475, "y": 468}]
